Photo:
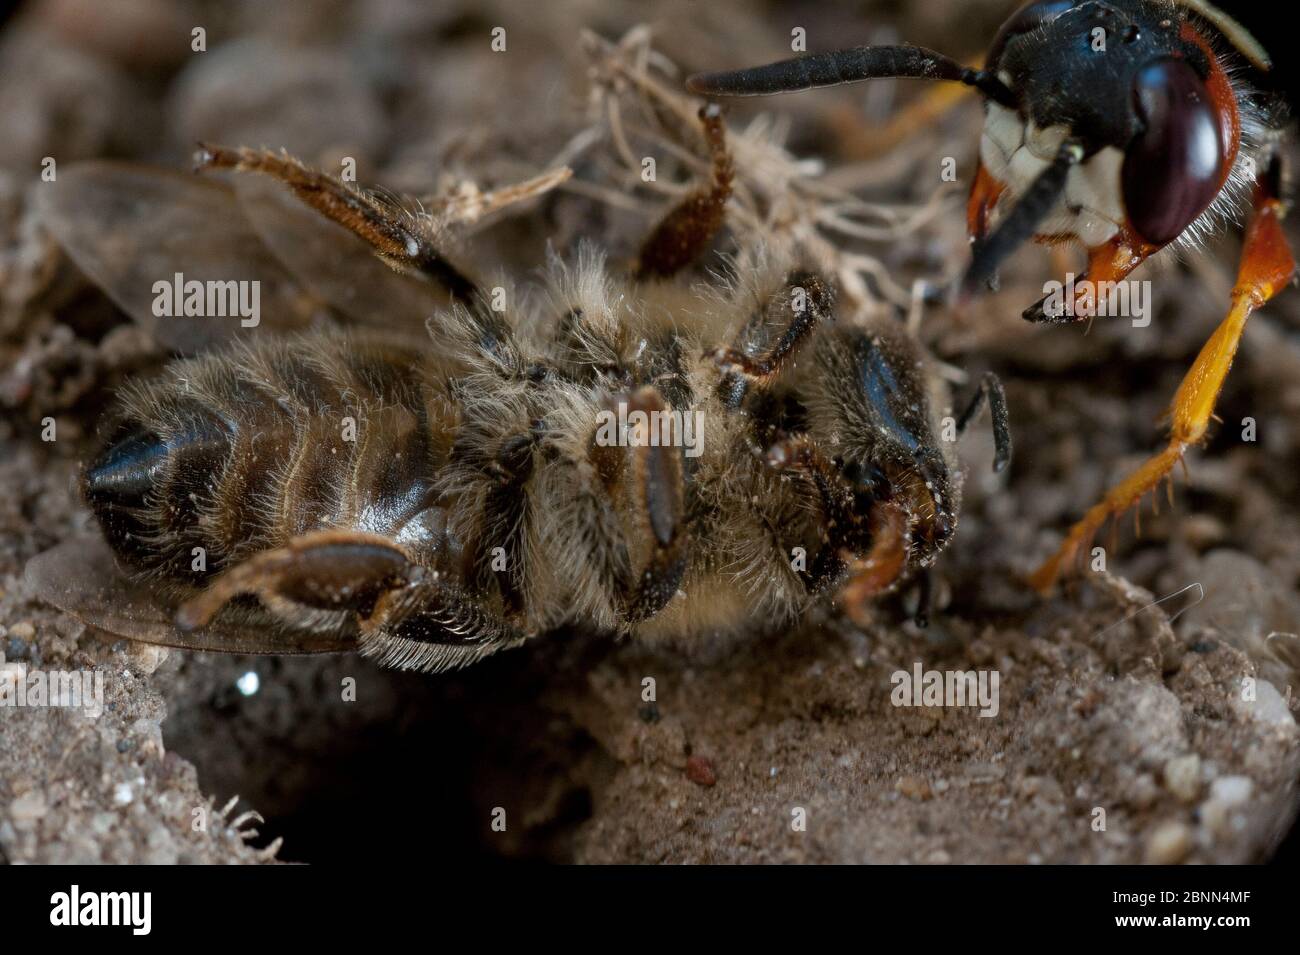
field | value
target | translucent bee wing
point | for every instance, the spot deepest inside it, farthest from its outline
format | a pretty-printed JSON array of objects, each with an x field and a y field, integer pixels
[
  {"x": 1285, "y": 647},
  {"x": 129, "y": 227},
  {"x": 80, "y": 576},
  {"x": 335, "y": 264}
]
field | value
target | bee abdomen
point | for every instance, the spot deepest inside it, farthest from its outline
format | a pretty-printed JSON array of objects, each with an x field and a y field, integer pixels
[
  {"x": 231, "y": 454},
  {"x": 142, "y": 485}
]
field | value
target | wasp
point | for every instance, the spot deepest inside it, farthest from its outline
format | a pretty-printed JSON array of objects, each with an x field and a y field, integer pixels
[
  {"x": 627, "y": 451},
  {"x": 1125, "y": 126}
]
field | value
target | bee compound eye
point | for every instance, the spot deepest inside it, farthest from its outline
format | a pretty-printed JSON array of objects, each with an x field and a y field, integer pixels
[
  {"x": 1027, "y": 18},
  {"x": 1173, "y": 168}
]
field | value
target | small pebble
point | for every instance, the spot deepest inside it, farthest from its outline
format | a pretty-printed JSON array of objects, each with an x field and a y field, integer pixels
[
  {"x": 1183, "y": 777},
  {"x": 1232, "y": 791},
  {"x": 913, "y": 787},
  {"x": 1216, "y": 817},
  {"x": 1202, "y": 531},
  {"x": 1143, "y": 792},
  {"x": 146, "y": 657},
  {"x": 27, "y": 809},
  {"x": 122, "y": 794},
  {"x": 1270, "y": 706},
  {"x": 1169, "y": 844},
  {"x": 700, "y": 771}
]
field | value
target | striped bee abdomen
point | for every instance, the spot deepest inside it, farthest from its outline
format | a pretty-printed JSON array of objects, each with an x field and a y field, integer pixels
[{"x": 219, "y": 458}]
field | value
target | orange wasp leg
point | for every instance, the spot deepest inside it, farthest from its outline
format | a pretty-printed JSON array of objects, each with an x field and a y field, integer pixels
[
  {"x": 1266, "y": 267},
  {"x": 864, "y": 141}
]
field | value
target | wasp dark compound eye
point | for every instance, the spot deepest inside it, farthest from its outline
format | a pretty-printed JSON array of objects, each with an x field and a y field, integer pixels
[{"x": 1174, "y": 168}]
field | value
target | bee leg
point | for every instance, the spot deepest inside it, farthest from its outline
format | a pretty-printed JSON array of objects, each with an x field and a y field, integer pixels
[
  {"x": 325, "y": 570},
  {"x": 685, "y": 232},
  {"x": 829, "y": 565},
  {"x": 396, "y": 236},
  {"x": 810, "y": 299},
  {"x": 658, "y": 486},
  {"x": 869, "y": 559},
  {"x": 432, "y": 625},
  {"x": 876, "y": 571},
  {"x": 924, "y": 598},
  {"x": 827, "y": 572},
  {"x": 406, "y": 615},
  {"x": 1266, "y": 267},
  {"x": 505, "y": 515},
  {"x": 990, "y": 389}
]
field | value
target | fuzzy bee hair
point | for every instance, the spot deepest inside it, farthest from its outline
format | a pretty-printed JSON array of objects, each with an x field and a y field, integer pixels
[
  {"x": 629, "y": 452},
  {"x": 477, "y": 485}
]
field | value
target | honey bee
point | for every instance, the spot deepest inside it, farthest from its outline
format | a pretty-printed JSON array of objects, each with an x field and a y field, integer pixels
[{"x": 638, "y": 454}]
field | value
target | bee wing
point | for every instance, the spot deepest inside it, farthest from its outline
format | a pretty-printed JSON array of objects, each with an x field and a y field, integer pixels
[
  {"x": 334, "y": 263},
  {"x": 81, "y": 576},
  {"x": 130, "y": 228},
  {"x": 1285, "y": 647}
]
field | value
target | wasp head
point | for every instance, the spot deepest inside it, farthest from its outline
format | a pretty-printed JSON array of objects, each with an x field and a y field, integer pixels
[{"x": 1131, "y": 98}]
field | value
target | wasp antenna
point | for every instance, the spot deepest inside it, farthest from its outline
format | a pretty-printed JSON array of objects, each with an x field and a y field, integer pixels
[
  {"x": 848, "y": 66},
  {"x": 1241, "y": 38},
  {"x": 1022, "y": 221}
]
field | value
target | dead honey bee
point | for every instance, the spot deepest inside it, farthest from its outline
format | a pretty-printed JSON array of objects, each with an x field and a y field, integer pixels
[{"x": 639, "y": 454}]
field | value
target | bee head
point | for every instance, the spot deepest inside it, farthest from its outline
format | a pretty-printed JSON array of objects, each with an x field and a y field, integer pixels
[{"x": 876, "y": 407}]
